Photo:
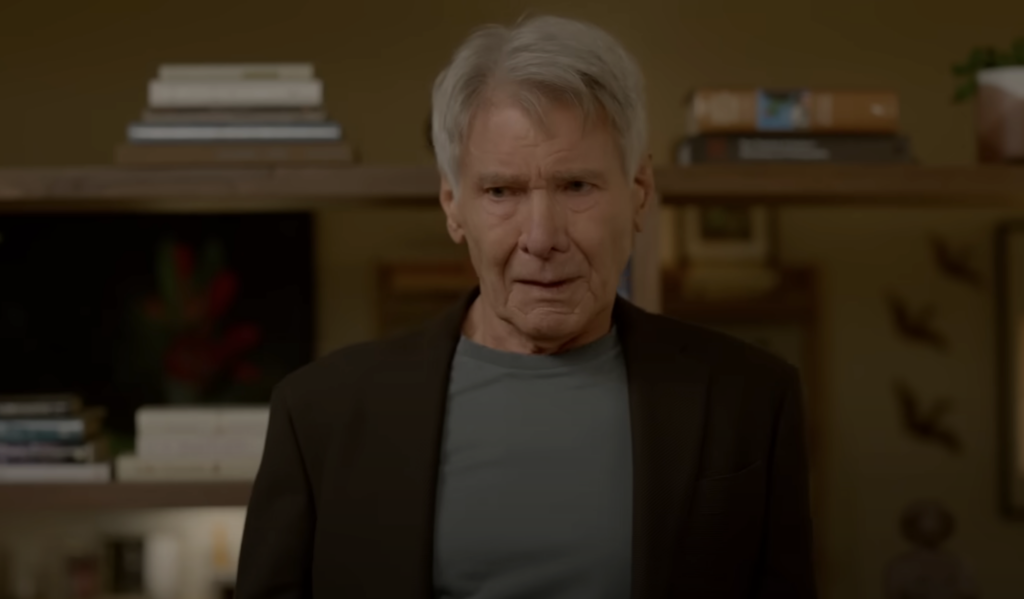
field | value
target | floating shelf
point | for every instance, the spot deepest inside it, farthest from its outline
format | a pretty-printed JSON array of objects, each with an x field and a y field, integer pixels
[
  {"x": 168, "y": 189},
  {"x": 832, "y": 184},
  {"x": 122, "y": 496}
]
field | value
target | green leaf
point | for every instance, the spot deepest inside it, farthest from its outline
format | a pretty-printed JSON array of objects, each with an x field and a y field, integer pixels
[
  {"x": 962, "y": 70},
  {"x": 167, "y": 279},
  {"x": 211, "y": 264},
  {"x": 979, "y": 58},
  {"x": 1018, "y": 51},
  {"x": 965, "y": 91},
  {"x": 1005, "y": 59}
]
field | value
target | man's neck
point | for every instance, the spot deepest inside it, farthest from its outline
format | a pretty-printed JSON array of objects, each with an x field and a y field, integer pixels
[{"x": 486, "y": 328}]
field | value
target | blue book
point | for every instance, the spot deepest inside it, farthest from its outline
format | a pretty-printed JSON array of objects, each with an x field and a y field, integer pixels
[
  {"x": 164, "y": 133},
  {"x": 66, "y": 429}
]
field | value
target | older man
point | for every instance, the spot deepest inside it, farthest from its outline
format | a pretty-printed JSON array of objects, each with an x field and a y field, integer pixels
[{"x": 543, "y": 439}]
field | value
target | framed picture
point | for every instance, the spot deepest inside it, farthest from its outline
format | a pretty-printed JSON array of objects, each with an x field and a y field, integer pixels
[
  {"x": 728, "y": 234},
  {"x": 1010, "y": 336}
]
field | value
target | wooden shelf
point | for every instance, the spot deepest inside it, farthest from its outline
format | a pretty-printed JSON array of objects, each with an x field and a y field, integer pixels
[
  {"x": 164, "y": 189},
  {"x": 827, "y": 185},
  {"x": 161, "y": 189},
  {"x": 121, "y": 496}
]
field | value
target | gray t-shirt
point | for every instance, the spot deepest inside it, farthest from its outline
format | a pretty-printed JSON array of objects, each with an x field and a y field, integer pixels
[{"x": 536, "y": 487}]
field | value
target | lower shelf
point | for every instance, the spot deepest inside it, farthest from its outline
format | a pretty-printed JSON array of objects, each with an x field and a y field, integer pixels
[{"x": 122, "y": 496}]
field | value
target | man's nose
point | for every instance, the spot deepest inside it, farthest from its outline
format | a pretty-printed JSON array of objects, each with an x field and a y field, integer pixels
[{"x": 546, "y": 227}]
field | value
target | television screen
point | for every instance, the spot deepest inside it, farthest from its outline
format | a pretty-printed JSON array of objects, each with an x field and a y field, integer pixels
[{"x": 135, "y": 309}]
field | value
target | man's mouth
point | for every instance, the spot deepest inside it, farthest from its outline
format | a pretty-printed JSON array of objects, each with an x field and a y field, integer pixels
[{"x": 548, "y": 284}]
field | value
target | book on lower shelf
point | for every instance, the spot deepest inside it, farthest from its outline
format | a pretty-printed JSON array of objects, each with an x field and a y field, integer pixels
[
  {"x": 235, "y": 114},
  {"x": 776, "y": 148},
  {"x": 52, "y": 438},
  {"x": 194, "y": 443}
]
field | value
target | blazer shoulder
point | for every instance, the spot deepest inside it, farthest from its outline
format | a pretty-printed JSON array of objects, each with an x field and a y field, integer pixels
[{"x": 335, "y": 375}]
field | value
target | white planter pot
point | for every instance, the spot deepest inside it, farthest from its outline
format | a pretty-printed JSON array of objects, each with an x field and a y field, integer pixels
[{"x": 1000, "y": 115}]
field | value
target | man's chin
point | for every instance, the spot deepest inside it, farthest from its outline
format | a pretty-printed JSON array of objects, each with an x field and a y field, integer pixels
[{"x": 549, "y": 324}]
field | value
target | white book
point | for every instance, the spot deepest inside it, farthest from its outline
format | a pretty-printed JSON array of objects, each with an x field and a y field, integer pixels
[
  {"x": 54, "y": 473},
  {"x": 141, "y": 132},
  {"x": 236, "y": 94},
  {"x": 209, "y": 420},
  {"x": 228, "y": 116},
  {"x": 191, "y": 445},
  {"x": 236, "y": 72},
  {"x": 132, "y": 468}
]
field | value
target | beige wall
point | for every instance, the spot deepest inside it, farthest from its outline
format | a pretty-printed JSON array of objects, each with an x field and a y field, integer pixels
[
  {"x": 873, "y": 468},
  {"x": 71, "y": 79}
]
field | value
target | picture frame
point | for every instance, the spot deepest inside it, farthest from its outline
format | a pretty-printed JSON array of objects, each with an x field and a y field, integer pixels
[
  {"x": 1009, "y": 321},
  {"x": 731, "y": 234}
]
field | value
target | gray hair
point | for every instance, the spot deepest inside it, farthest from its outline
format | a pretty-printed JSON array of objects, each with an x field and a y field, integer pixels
[{"x": 540, "y": 59}]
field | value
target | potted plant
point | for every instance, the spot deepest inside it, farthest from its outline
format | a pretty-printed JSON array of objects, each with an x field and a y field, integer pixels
[{"x": 996, "y": 77}]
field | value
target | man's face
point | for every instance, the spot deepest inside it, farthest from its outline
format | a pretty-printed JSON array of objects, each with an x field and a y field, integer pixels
[{"x": 548, "y": 214}]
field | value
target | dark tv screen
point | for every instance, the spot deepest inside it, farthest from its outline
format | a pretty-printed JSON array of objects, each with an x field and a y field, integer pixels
[{"x": 134, "y": 309}]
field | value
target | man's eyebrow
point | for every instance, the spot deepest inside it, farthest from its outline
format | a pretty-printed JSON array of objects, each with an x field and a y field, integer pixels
[
  {"x": 496, "y": 179},
  {"x": 581, "y": 174}
]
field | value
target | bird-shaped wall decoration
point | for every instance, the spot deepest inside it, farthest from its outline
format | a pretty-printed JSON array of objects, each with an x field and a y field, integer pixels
[
  {"x": 956, "y": 264},
  {"x": 926, "y": 425},
  {"x": 915, "y": 325}
]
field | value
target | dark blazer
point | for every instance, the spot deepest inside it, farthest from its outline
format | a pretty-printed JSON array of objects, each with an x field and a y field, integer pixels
[{"x": 343, "y": 505}]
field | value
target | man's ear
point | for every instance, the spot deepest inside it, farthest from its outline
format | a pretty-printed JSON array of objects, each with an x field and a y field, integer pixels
[
  {"x": 452, "y": 216},
  {"x": 643, "y": 191}
]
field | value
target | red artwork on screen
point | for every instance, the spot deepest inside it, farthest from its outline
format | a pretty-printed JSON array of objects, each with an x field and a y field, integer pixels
[{"x": 201, "y": 350}]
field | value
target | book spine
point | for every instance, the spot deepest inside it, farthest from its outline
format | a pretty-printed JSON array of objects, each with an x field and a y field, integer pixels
[
  {"x": 235, "y": 72},
  {"x": 31, "y": 430},
  {"x": 234, "y": 154},
  {"x": 139, "y": 132},
  {"x": 41, "y": 407},
  {"x": 712, "y": 149},
  {"x": 791, "y": 111},
  {"x": 52, "y": 453},
  {"x": 240, "y": 94},
  {"x": 54, "y": 473},
  {"x": 221, "y": 117}
]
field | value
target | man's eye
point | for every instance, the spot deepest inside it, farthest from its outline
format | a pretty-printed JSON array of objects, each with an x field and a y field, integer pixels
[
  {"x": 498, "y": 192},
  {"x": 578, "y": 187}
]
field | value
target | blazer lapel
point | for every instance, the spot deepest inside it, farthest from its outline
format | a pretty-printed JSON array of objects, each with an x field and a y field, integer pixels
[
  {"x": 667, "y": 396},
  {"x": 401, "y": 438}
]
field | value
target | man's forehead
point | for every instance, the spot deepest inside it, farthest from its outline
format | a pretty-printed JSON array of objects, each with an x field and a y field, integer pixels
[{"x": 513, "y": 120}]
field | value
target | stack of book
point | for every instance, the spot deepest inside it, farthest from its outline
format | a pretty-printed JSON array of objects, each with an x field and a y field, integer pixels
[
  {"x": 195, "y": 443},
  {"x": 51, "y": 438},
  {"x": 792, "y": 126},
  {"x": 235, "y": 115}
]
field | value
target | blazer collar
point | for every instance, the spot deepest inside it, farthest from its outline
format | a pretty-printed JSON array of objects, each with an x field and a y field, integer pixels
[{"x": 404, "y": 423}]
